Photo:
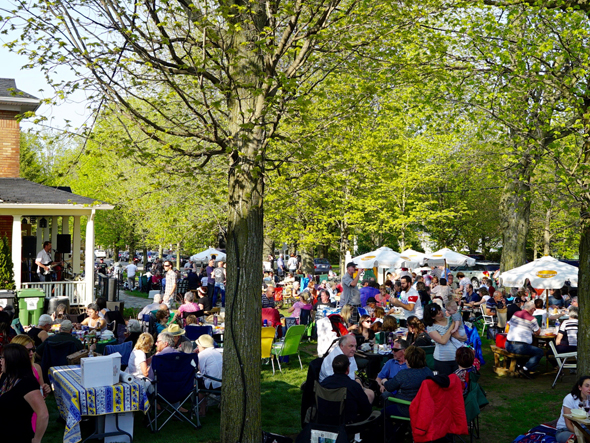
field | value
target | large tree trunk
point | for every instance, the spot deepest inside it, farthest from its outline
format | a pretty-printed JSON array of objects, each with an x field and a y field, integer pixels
[
  {"x": 241, "y": 357},
  {"x": 584, "y": 292},
  {"x": 307, "y": 261},
  {"x": 245, "y": 236},
  {"x": 515, "y": 209},
  {"x": 547, "y": 233}
]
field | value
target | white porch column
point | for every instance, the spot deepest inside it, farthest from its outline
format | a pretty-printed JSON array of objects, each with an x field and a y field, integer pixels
[
  {"x": 54, "y": 232},
  {"x": 76, "y": 246},
  {"x": 89, "y": 259},
  {"x": 17, "y": 246}
]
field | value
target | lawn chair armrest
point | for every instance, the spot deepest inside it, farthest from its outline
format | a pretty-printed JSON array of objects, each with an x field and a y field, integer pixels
[{"x": 399, "y": 400}]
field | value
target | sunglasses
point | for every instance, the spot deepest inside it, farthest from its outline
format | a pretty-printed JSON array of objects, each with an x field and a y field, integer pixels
[{"x": 33, "y": 349}]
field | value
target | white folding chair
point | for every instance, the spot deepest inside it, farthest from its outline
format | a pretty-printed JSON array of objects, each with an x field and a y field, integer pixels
[
  {"x": 562, "y": 360},
  {"x": 488, "y": 320}
]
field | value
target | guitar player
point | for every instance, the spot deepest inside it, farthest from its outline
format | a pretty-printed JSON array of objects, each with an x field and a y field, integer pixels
[{"x": 44, "y": 262}]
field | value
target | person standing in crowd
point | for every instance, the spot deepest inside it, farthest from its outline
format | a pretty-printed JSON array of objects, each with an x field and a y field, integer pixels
[
  {"x": 281, "y": 266},
  {"x": 350, "y": 292},
  {"x": 219, "y": 277},
  {"x": 44, "y": 262},
  {"x": 292, "y": 264},
  {"x": 440, "y": 329},
  {"x": 520, "y": 338},
  {"x": 210, "y": 278},
  {"x": 131, "y": 269},
  {"x": 170, "y": 283}
]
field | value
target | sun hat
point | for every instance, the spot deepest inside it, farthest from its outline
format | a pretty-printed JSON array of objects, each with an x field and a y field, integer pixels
[
  {"x": 174, "y": 330},
  {"x": 206, "y": 341}
]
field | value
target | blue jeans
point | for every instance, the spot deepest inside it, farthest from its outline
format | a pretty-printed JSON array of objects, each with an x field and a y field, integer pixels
[
  {"x": 219, "y": 288},
  {"x": 526, "y": 349}
]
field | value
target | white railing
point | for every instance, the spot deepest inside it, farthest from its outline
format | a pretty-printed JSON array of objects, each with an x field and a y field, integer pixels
[{"x": 74, "y": 290}]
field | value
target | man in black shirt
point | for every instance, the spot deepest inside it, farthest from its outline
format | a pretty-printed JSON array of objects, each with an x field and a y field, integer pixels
[
  {"x": 357, "y": 406},
  {"x": 514, "y": 307}
]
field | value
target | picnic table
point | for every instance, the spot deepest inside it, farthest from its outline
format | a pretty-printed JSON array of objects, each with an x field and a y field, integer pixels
[{"x": 581, "y": 432}]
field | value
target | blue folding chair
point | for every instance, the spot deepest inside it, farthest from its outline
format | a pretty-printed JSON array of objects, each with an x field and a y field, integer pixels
[
  {"x": 174, "y": 384},
  {"x": 124, "y": 349},
  {"x": 194, "y": 332}
]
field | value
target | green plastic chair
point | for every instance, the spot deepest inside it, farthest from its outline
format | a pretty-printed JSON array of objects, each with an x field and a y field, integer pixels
[
  {"x": 429, "y": 350},
  {"x": 381, "y": 338},
  {"x": 288, "y": 346},
  {"x": 539, "y": 319},
  {"x": 323, "y": 277},
  {"x": 401, "y": 402},
  {"x": 101, "y": 346}
]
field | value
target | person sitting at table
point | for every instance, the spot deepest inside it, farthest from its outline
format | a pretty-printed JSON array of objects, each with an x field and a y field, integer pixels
[
  {"x": 383, "y": 297},
  {"x": 406, "y": 383},
  {"x": 64, "y": 335},
  {"x": 189, "y": 305},
  {"x": 133, "y": 331},
  {"x": 417, "y": 335},
  {"x": 520, "y": 338},
  {"x": 323, "y": 305},
  {"x": 204, "y": 301},
  {"x": 268, "y": 297},
  {"x": 162, "y": 317},
  {"x": 555, "y": 299},
  {"x": 138, "y": 366},
  {"x": 29, "y": 344},
  {"x": 60, "y": 314},
  {"x": 40, "y": 332},
  {"x": 210, "y": 363},
  {"x": 20, "y": 397},
  {"x": 393, "y": 366},
  {"x": 303, "y": 303},
  {"x": 164, "y": 345},
  {"x": 178, "y": 333},
  {"x": 371, "y": 306},
  {"x": 379, "y": 314},
  {"x": 389, "y": 324},
  {"x": 364, "y": 333},
  {"x": 358, "y": 405},
  {"x": 93, "y": 321},
  {"x": 152, "y": 307},
  {"x": 578, "y": 398},
  {"x": 567, "y": 337}
]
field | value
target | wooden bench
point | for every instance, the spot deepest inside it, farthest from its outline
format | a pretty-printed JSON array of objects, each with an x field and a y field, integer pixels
[{"x": 505, "y": 362}]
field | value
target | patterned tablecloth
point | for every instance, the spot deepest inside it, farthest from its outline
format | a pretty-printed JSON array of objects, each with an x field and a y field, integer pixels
[{"x": 75, "y": 401}]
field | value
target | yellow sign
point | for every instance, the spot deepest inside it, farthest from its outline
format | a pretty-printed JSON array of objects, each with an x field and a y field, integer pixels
[
  {"x": 546, "y": 274},
  {"x": 368, "y": 257},
  {"x": 437, "y": 255}
]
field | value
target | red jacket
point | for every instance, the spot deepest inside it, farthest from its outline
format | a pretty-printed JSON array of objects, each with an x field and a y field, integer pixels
[{"x": 437, "y": 411}]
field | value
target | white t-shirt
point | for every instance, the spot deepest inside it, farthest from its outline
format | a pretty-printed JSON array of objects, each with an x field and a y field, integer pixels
[
  {"x": 44, "y": 258},
  {"x": 327, "y": 369},
  {"x": 135, "y": 360},
  {"x": 542, "y": 312},
  {"x": 409, "y": 297},
  {"x": 464, "y": 282},
  {"x": 569, "y": 402},
  {"x": 131, "y": 269}
]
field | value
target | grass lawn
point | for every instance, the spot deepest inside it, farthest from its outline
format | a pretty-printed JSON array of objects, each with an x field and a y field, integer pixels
[{"x": 516, "y": 405}]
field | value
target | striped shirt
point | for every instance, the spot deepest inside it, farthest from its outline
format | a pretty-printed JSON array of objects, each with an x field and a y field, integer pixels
[
  {"x": 444, "y": 352},
  {"x": 522, "y": 325},
  {"x": 569, "y": 328}
]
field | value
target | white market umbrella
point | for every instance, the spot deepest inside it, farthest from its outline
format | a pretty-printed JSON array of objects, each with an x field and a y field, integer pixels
[
  {"x": 413, "y": 256},
  {"x": 447, "y": 257},
  {"x": 205, "y": 255},
  {"x": 543, "y": 273},
  {"x": 383, "y": 257}
]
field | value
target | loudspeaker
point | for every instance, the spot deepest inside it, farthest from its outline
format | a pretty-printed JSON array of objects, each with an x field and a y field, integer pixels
[
  {"x": 64, "y": 243},
  {"x": 29, "y": 246}
]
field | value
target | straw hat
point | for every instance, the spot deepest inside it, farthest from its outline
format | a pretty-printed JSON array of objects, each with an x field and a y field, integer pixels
[
  {"x": 174, "y": 330},
  {"x": 206, "y": 341}
]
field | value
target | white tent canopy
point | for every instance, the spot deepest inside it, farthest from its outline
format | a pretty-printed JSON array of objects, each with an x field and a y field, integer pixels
[
  {"x": 383, "y": 257},
  {"x": 448, "y": 257},
  {"x": 543, "y": 273},
  {"x": 204, "y": 256}
]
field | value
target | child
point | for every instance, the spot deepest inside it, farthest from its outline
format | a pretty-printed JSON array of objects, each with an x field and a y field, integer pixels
[{"x": 453, "y": 312}]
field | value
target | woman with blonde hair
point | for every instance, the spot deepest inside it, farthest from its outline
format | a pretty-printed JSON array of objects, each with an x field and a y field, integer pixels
[
  {"x": 304, "y": 303},
  {"x": 138, "y": 366},
  {"x": 29, "y": 344}
]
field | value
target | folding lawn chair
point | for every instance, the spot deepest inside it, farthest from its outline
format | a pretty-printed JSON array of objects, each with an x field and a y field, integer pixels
[
  {"x": 288, "y": 346},
  {"x": 124, "y": 349},
  {"x": 193, "y": 332},
  {"x": 206, "y": 392},
  {"x": 174, "y": 384}
]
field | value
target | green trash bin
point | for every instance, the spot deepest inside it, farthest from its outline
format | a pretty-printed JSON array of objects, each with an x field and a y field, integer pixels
[{"x": 30, "y": 305}]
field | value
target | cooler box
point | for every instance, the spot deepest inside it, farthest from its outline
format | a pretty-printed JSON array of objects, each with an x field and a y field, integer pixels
[
  {"x": 30, "y": 305},
  {"x": 501, "y": 340}
]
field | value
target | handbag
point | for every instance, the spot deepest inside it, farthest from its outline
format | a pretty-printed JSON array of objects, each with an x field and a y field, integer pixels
[{"x": 74, "y": 359}]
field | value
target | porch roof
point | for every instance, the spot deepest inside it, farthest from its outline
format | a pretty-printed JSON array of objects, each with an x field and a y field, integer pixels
[{"x": 22, "y": 194}]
